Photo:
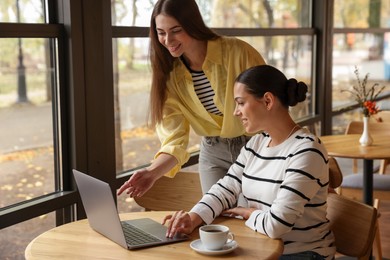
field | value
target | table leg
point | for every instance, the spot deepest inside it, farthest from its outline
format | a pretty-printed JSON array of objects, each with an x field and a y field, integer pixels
[{"x": 368, "y": 184}]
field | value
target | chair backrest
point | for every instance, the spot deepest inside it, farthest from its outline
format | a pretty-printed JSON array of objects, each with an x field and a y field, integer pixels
[
  {"x": 172, "y": 194},
  {"x": 353, "y": 224},
  {"x": 383, "y": 128},
  {"x": 383, "y": 116},
  {"x": 335, "y": 173},
  {"x": 356, "y": 127}
]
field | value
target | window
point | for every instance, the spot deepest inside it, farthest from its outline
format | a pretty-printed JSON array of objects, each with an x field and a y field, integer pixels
[
  {"x": 31, "y": 149},
  {"x": 26, "y": 101},
  {"x": 360, "y": 40}
]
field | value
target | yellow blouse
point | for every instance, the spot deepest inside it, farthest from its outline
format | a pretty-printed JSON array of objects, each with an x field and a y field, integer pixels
[{"x": 226, "y": 58}]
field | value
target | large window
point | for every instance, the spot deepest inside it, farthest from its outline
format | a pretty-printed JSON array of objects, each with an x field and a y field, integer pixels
[
  {"x": 361, "y": 42},
  {"x": 31, "y": 140},
  {"x": 26, "y": 113}
]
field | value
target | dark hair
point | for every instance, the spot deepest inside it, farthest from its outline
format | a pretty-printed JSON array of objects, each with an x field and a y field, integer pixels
[
  {"x": 187, "y": 13},
  {"x": 265, "y": 78}
]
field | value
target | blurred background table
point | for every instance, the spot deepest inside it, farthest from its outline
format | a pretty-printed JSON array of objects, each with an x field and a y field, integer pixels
[{"x": 348, "y": 146}]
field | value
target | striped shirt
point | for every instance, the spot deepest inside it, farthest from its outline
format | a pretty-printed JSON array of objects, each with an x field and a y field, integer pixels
[
  {"x": 287, "y": 184},
  {"x": 203, "y": 90}
]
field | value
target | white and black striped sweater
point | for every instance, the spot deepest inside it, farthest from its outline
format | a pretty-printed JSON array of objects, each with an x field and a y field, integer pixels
[{"x": 288, "y": 184}]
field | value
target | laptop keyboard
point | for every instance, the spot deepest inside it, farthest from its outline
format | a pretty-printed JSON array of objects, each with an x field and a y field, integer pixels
[{"x": 136, "y": 236}]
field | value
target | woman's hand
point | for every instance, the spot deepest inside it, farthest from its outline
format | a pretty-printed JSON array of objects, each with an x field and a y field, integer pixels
[
  {"x": 181, "y": 222},
  {"x": 139, "y": 183},
  {"x": 245, "y": 213}
]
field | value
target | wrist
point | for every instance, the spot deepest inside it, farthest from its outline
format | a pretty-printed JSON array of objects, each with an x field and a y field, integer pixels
[
  {"x": 154, "y": 173},
  {"x": 250, "y": 211},
  {"x": 196, "y": 220}
]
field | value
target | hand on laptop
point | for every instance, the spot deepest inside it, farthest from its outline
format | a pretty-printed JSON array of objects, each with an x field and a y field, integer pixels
[{"x": 182, "y": 222}]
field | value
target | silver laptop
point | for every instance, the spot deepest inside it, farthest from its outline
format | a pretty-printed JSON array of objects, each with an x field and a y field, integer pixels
[{"x": 103, "y": 217}]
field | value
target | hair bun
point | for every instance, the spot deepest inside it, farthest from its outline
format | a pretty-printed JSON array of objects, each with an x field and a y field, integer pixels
[{"x": 296, "y": 91}]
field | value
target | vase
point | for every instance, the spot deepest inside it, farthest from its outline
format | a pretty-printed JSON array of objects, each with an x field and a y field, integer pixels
[{"x": 366, "y": 139}]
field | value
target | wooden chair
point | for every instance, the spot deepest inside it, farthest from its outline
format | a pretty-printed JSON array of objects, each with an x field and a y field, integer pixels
[
  {"x": 353, "y": 224},
  {"x": 335, "y": 174},
  {"x": 356, "y": 127},
  {"x": 383, "y": 116},
  {"x": 335, "y": 181},
  {"x": 172, "y": 194}
]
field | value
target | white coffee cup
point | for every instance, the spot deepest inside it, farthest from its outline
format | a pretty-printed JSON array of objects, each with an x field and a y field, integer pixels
[{"x": 214, "y": 237}]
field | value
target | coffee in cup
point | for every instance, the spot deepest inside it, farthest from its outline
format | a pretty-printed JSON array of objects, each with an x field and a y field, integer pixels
[{"x": 215, "y": 236}]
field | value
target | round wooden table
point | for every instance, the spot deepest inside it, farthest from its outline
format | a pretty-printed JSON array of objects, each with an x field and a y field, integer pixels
[
  {"x": 77, "y": 240},
  {"x": 348, "y": 146}
]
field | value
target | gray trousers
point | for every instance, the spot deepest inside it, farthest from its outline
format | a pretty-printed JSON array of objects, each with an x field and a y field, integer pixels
[{"x": 216, "y": 156}]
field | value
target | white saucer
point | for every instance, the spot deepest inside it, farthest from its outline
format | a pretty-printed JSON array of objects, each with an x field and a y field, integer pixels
[{"x": 227, "y": 248}]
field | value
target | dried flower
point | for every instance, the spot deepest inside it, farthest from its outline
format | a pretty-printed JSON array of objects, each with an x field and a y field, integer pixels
[{"x": 365, "y": 96}]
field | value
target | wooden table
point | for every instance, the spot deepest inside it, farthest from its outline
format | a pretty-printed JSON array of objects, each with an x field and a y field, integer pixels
[
  {"x": 77, "y": 240},
  {"x": 348, "y": 146}
]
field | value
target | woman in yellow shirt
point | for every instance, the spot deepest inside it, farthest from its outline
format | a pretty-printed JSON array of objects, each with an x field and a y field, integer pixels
[{"x": 193, "y": 72}]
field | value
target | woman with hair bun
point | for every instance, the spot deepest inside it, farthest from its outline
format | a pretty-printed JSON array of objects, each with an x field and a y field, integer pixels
[{"x": 282, "y": 172}]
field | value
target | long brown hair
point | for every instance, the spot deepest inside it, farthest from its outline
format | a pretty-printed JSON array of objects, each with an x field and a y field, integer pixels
[{"x": 187, "y": 13}]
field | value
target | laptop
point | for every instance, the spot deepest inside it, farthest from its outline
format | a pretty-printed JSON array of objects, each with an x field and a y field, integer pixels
[{"x": 103, "y": 217}]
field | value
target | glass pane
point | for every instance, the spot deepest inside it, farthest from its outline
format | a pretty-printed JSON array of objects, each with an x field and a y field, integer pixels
[
  {"x": 22, "y": 11},
  {"x": 132, "y": 12},
  {"x": 370, "y": 53},
  {"x": 14, "y": 239},
  {"x": 26, "y": 129},
  {"x": 134, "y": 141},
  {"x": 362, "y": 13},
  {"x": 340, "y": 122},
  {"x": 136, "y": 144},
  {"x": 222, "y": 13},
  {"x": 257, "y": 14},
  {"x": 292, "y": 55}
]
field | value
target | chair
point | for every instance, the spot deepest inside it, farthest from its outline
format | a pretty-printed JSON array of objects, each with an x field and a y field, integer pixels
[
  {"x": 356, "y": 127},
  {"x": 383, "y": 116},
  {"x": 335, "y": 181},
  {"x": 335, "y": 174},
  {"x": 172, "y": 194},
  {"x": 354, "y": 225}
]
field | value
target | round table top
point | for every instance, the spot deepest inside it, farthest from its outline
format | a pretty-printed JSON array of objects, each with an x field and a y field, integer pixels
[
  {"x": 76, "y": 240},
  {"x": 348, "y": 146}
]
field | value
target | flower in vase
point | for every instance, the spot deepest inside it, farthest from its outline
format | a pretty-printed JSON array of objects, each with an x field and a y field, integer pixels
[{"x": 365, "y": 96}]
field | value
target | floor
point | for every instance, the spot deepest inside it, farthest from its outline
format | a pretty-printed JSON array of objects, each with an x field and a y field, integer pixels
[{"x": 384, "y": 225}]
